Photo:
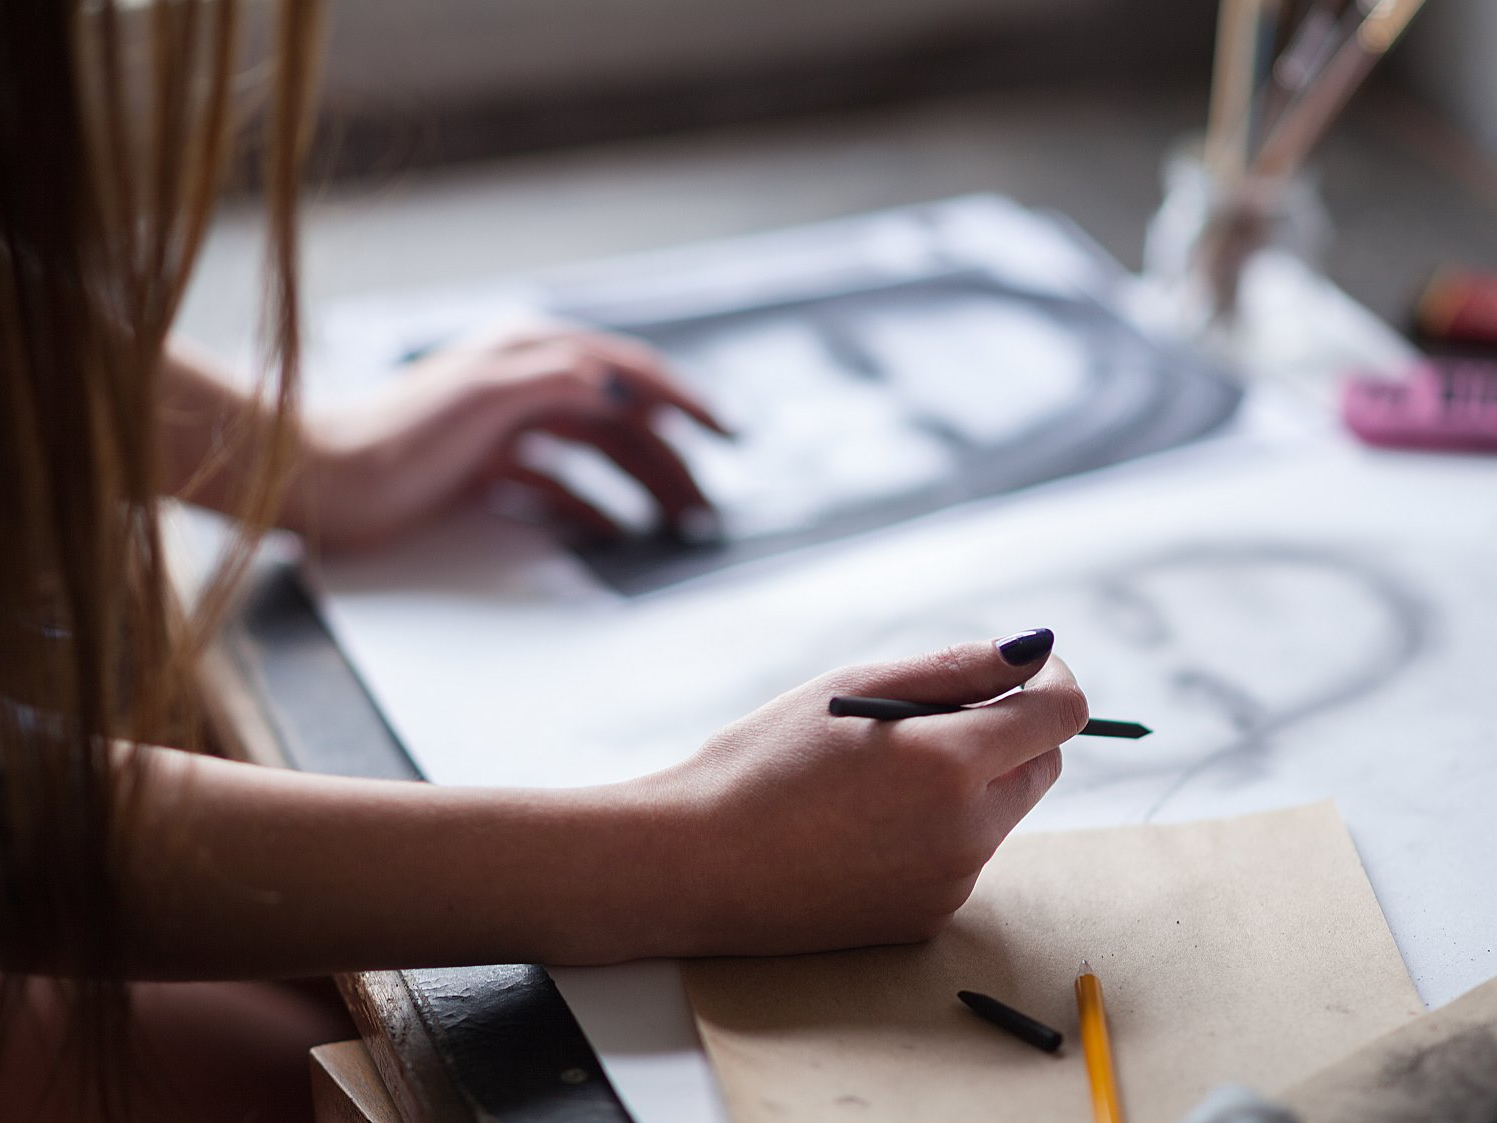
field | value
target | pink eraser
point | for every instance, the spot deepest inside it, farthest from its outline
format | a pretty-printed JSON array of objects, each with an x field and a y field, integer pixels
[{"x": 1446, "y": 405}]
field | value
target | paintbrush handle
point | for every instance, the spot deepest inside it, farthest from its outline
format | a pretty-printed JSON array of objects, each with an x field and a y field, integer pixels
[{"x": 1310, "y": 115}]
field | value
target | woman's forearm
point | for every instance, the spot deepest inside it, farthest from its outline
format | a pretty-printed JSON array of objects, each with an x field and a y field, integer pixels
[
  {"x": 214, "y": 434},
  {"x": 204, "y": 420},
  {"x": 239, "y": 871},
  {"x": 789, "y": 831}
]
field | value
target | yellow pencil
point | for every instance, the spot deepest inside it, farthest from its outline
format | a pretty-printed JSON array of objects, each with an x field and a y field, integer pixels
[{"x": 1106, "y": 1107}]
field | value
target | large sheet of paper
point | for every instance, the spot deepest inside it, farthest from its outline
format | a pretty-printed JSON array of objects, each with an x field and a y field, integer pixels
[
  {"x": 1298, "y": 625},
  {"x": 1298, "y": 618},
  {"x": 1248, "y": 950},
  {"x": 872, "y": 369}
]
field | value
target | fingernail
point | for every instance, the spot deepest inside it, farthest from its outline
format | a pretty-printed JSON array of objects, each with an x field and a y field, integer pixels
[
  {"x": 617, "y": 390},
  {"x": 699, "y": 526},
  {"x": 1023, "y": 648}
]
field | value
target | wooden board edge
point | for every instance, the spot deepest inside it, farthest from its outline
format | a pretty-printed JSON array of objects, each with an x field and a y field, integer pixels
[
  {"x": 402, "y": 1048},
  {"x": 346, "y": 1087}
]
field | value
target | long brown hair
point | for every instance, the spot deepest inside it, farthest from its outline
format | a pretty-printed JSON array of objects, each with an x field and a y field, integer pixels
[{"x": 117, "y": 122}]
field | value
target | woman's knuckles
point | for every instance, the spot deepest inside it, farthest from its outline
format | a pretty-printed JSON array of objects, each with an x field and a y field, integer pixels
[
  {"x": 1070, "y": 707},
  {"x": 1018, "y": 790},
  {"x": 1047, "y": 768}
]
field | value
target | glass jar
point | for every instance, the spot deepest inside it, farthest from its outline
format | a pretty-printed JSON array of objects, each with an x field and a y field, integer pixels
[{"x": 1202, "y": 240}]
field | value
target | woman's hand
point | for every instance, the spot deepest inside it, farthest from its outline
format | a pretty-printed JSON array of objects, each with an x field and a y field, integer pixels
[
  {"x": 806, "y": 831},
  {"x": 453, "y": 425}
]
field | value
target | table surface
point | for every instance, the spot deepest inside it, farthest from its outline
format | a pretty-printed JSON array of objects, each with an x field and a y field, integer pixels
[{"x": 1404, "y": 197}]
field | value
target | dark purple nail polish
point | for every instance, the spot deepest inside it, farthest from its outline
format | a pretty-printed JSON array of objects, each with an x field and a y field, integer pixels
[
  {"x": 1023, "y": 648},
  {"x": 618, "y": 391}
]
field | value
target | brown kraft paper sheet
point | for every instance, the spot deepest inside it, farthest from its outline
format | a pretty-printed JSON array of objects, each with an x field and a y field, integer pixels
[{"x": 1246, "y": 950}]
